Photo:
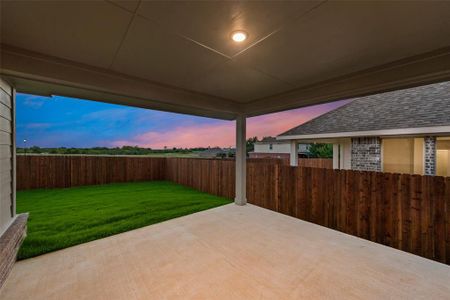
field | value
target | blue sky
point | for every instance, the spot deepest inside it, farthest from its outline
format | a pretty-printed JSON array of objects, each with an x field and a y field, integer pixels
[{"x": 67, "y": 122}]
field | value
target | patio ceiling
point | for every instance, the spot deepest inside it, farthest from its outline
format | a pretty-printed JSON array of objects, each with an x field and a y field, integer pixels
[{"x": 178, "y": 56}]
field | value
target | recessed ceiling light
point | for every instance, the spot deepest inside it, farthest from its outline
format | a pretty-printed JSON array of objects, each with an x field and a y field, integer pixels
[{"x": 239, "y": 36}]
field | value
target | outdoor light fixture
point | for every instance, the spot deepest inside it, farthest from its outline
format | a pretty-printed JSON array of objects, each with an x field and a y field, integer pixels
[{"x": 239, "y": 36}]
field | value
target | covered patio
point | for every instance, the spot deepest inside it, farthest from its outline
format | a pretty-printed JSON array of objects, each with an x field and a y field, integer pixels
[
  {"x": 229, "y": 252},
  {"x": 182, "y": 57}
]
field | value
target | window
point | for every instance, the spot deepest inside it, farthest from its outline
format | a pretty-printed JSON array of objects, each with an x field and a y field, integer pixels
[{"x": 270, "y": 147}]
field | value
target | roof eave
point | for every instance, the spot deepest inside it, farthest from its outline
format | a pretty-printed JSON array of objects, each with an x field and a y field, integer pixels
[{"x": 420, "y": 131}]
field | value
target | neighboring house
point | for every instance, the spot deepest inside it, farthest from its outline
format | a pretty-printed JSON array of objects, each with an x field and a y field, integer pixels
[
  {"x": 214, "y": 152},
  {"x": 270, "y": 147},
  {"x": 404, "y": 131}
]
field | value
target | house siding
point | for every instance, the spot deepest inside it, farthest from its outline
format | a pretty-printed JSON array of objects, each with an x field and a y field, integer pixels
[
  {"x": 278, "y": 148},
  {"x": 7, "y": 158},
  {"x": 12, "y": 228},
  {"x": 366, "y": 154}
]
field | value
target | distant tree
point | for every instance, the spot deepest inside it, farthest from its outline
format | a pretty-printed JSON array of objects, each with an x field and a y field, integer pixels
[
  {"x": 124, "y": 150},
  {"x": 35, "y": 149},
  {"x": 221, "y": 155},
  {"x": 250, "y": 145},
  {"x": 321, "y": 150}
]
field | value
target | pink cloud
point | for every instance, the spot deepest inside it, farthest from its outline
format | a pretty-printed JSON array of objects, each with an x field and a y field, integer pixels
[
  {"x": 222, "y": 134},
  {"x": 203, "y": 135}
]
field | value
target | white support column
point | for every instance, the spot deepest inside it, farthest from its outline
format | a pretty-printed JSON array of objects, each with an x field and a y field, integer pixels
[
  {"x": 294, "y": 154},
  {"x": 241, "y": 159},
  {"x": 336, "y": 156},
  {"x": 341, "y": 156}
]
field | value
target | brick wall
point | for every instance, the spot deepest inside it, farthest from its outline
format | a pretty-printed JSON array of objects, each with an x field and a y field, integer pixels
[
  {"x": 10, "y": 242},
  {"x": 366, "y": 154},
  {"x": 430, "y": 155}
]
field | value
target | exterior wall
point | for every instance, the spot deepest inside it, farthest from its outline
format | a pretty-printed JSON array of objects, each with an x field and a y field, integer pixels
[
  {"x": 276, "y": 148},
  {"x": 398, "y": 155},
  {"x": 418, "y": 156},
  {"x": 12, "y": 228},
  {"x": 430, "y": 155},
  {"x": 7, "y": 156},
  {"x": 366, "y": 154},
  {"x": 342, "y": 154},
  {"x": 443, "y": 163},
  {"x": 443, "y": 156}
]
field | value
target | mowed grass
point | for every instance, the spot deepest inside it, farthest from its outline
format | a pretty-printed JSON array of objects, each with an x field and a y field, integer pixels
[{"x": 60, "y": 218}]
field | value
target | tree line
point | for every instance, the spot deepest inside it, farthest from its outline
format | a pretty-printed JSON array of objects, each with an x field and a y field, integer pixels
[
  {"x": 315, "y": 150},
  {"x": 125, "y": 150}
]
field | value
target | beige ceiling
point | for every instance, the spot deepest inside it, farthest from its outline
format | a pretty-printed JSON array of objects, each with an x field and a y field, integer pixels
[{"x": 180, "y": 53}]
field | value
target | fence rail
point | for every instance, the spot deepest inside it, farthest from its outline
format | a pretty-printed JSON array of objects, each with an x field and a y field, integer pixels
[{"x": 407, "y": 212}]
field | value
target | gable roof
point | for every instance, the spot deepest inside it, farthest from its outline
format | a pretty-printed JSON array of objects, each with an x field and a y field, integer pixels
[{"x": 419, "y": 107}]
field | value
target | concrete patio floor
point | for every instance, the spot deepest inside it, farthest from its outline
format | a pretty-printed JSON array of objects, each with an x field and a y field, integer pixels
[{"x": 230, "y": 252}]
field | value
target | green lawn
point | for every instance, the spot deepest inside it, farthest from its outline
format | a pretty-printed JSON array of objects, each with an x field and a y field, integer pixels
[{"x": 60, "y": 218}]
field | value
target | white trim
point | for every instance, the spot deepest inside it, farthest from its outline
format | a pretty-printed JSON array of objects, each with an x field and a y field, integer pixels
[
  {"x": 335, "y": 156},
  {"x": 293, "y": 154},
  {"x": 13, "y": 153},
  {"x": 385, "y": 132}
]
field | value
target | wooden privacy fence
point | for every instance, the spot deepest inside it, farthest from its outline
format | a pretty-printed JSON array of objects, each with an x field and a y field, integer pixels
[
  {"x": 325, "y": 163},
  {"x": 207, "y": 175},
  {"x": 37, "y": 171},
  {"x": 214, "y": 176},
  {"x": 407, "y": 212}
]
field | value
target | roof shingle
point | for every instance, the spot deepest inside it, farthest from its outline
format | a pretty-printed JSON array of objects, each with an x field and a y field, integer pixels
[{"x": 424, "y": 106}]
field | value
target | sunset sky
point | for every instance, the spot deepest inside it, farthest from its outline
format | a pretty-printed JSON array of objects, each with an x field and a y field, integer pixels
[{"x": 68, "y": 122}]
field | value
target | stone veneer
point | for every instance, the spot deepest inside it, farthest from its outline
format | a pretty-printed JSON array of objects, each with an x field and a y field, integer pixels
[
  {"x": 10, "y": 242},
  {"x": 366, "y": 154},
  {"x": 430, "y": 155}
]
